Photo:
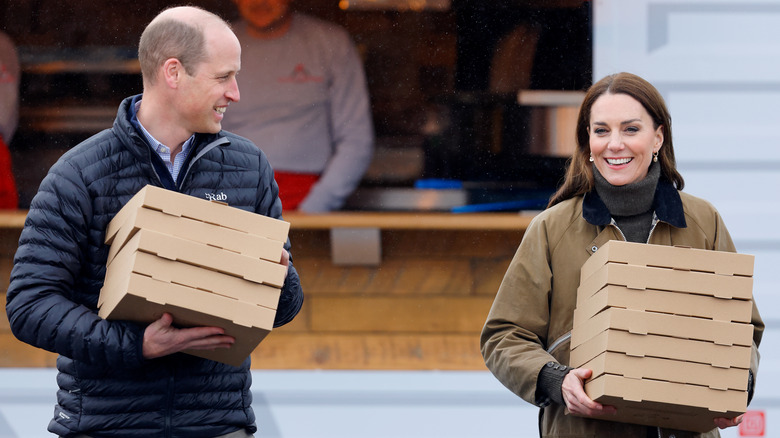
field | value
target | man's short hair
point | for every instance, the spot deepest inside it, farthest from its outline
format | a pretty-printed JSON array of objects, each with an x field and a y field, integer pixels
[{"x": 167, "y": 38}]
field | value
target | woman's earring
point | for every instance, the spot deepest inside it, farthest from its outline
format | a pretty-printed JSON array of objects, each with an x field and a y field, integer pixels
[
  {"x": 655, "y": 157},
  {"x": 591, "y": 158}
]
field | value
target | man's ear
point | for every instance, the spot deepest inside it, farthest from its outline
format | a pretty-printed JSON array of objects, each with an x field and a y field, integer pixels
[{"x": 172, "y": 72}]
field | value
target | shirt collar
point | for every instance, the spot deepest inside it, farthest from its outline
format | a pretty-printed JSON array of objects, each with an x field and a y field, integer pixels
[{"x": 156, "y": 145}]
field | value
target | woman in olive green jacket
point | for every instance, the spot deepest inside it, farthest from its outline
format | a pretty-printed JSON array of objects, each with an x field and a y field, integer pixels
[{"x": 621, "y": 184}]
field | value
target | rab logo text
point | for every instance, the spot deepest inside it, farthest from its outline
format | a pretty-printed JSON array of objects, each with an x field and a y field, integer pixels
[{"x": 221, "y": 197}]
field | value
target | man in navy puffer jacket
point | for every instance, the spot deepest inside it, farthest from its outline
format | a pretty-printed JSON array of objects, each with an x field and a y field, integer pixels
[{"x": 118, "y": 378}]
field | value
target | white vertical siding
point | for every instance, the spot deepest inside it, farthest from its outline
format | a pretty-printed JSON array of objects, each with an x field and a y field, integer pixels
[{"x": 717, "y": 63}]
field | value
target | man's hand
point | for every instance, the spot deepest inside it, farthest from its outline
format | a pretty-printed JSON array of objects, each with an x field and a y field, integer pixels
[
  {"x": 578, "y": 403},
  {"x": 162, "y": 339},
  {"x": 723, "y": 423},
  {"x": 285, "y": 258}
]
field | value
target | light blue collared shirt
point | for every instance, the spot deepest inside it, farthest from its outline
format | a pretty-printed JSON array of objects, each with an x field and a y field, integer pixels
[{"x": 165, "y": 152}]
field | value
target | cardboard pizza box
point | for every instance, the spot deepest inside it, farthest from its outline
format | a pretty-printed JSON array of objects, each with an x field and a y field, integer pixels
[
  {"x": 669, "y": 302},
  {"x": 179, "y": 204},
  {"x": 672, "y": 257}
]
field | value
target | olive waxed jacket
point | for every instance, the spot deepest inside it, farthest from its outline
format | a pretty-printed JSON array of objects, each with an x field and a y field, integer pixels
[{"x": 534, "y": 306}]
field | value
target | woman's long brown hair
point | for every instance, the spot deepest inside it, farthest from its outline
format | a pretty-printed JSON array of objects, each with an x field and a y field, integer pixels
[{"x": 579, "y": 171}]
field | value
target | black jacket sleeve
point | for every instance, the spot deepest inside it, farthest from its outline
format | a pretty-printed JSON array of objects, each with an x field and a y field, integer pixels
[{"x": 45, "y": 304}]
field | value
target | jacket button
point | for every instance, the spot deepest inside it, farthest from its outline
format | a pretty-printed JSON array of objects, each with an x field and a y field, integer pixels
[
  {"x": 672, "y": 436},
  {"x": 594, "y": 248}
]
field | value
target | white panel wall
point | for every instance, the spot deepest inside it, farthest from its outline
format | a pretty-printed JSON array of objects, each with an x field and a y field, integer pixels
[{"x": 717, "y": 63}]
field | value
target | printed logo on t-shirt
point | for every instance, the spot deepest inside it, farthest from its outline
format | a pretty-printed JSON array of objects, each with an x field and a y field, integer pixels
[{"x": 300, "y": 75}]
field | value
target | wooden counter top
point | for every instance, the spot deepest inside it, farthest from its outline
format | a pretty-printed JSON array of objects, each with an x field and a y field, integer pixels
[
  {"x": 14, "y": 219},
  {"x": 410, "y": 220},
  {"x": 384, "y": 290},
  {"x": 10, "y": 219}
]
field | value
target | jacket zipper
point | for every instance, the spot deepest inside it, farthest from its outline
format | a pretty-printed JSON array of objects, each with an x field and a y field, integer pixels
[
  {"x": 558, "y": 342},
  {"x": 614, "y": 224},
  {"x": 652, "y": 228},
  {"x": 208, "y": 147}
]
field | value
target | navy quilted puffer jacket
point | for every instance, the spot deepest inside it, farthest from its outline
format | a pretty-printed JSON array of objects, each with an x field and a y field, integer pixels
[{"x": 107, "y": 389}]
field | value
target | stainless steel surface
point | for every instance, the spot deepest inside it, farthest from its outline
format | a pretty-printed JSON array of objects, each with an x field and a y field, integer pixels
[
  {"x": 396, "y": 5},
  {"x": 406, "y": 199},
  {"x": 466, "y": 199}
]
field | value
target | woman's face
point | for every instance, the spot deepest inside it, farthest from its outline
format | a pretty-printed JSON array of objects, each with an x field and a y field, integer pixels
[{"x": 622, "y": 138}]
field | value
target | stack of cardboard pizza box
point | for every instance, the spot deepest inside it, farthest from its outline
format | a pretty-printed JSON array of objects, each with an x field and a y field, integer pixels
[
  {"x": 667, "y": 333},
  {"x": 204, "y": 262}
]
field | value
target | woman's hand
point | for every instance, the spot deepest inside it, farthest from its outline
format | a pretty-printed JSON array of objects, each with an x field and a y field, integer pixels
[
  {"x": 723, "y": 423},
  {"x": 578, "y": 403}
]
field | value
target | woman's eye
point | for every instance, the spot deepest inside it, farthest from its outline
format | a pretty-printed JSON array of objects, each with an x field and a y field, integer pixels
[
  {"x": 632, "y": 129},
  {"x": 599, "y": 131}
]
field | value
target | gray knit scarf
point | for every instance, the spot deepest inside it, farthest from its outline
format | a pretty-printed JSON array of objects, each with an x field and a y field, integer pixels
[{"x": 630, "y": 205}]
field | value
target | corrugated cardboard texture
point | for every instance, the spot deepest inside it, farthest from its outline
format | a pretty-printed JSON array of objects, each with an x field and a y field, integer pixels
[
  {"x": 178, "y": 204},
  {"x": 717, "y": 262},
  {"x": 217, "y": 236},
  {"x": 143, "y": 299},
  {"x": 208, "y": 257},
  {"x": 642, "y": 277},
  {"x": 620, "y": 341},
  {"x": 719, "y": 332},
  {"x": 674, "y": 303},
  {"x": 665, "y": 404},
  {"x": 129, "y": 260},
  {"x": 669, "y": 370}
]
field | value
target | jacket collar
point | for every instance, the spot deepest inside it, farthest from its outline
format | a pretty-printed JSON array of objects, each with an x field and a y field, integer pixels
[
  {"x": 667, "y": 205},
  {"x": 128, "y": 123}
]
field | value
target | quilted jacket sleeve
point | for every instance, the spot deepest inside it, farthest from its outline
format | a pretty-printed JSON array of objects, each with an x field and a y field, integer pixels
[
  {"x": 291, "y": 298},
  {"x": 53, "y": 291}
]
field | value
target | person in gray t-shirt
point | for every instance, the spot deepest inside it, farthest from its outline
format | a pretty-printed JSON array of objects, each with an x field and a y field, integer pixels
[{"x": 304, "y": 102}]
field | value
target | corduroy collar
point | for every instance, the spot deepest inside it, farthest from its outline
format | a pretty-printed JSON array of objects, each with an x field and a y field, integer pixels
[{"x": 667, "y": 206}]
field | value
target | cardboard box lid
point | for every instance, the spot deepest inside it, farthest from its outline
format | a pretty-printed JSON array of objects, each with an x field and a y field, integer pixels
[
  {"x": 193, "y": 276},
  {"x": 666, "y": 415},
  {"x": 143, "y": 299},
  {"x": 671, "y": 399},
  {"x": 229, "y": 239},
  {"x": 157, "y": 295},
  {"x": 673, "y": 257},
  {"x": 208, "y": 257},
  {"x": 669, "y": 370},
  {"x": 673, "y": 303},
  {"x": 643, "y": 323},
  {"x": 179, "y": 204},
  {"x": 642, "y": 277},
  {"x": 621, "y": 341}
]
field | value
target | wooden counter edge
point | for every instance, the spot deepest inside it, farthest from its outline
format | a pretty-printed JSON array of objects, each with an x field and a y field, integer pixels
[
  {"x": 14, "y": 219},
  {"x": 410, "y": 220}
]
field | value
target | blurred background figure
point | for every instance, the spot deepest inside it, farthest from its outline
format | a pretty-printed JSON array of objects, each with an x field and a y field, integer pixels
[
  {"x": 304, "y": 102},
  {"x": 9, "y": 118}
]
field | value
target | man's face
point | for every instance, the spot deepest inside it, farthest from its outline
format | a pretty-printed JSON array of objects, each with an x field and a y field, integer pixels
[
  {"x": 264, "y": 14},
  {"x": 206, "y": 94}
]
